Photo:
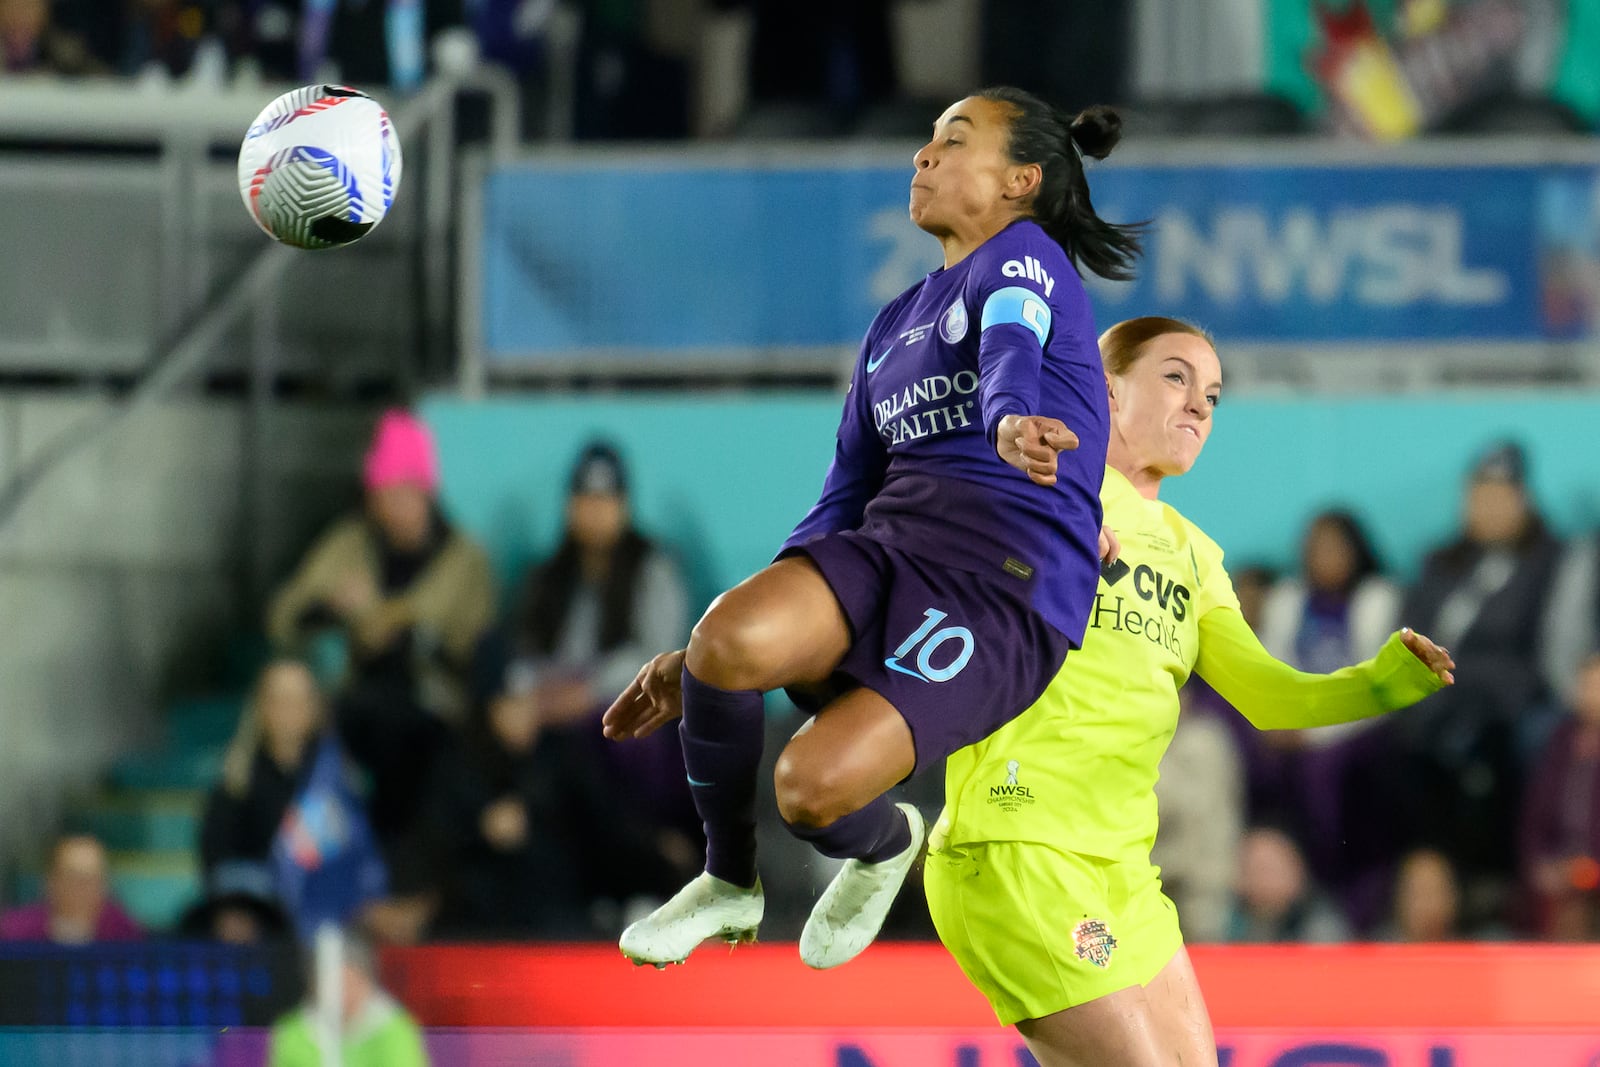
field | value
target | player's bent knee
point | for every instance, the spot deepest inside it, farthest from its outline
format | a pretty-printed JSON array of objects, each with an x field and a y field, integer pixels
[
  {"x": 806, "y": 795},
  {"x": 728, "y": 649}
]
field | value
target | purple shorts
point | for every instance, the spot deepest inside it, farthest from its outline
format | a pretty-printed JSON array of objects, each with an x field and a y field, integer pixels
[{"x": 958, "y": 654}]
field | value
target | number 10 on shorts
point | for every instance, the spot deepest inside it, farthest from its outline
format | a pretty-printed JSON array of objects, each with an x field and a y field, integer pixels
[{"x": 931, "y": 641}]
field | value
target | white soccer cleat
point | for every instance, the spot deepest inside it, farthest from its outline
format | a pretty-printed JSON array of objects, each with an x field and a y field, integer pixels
[
  {"x": 707, "y": 907},
  {"x": 853, "y": 907}
]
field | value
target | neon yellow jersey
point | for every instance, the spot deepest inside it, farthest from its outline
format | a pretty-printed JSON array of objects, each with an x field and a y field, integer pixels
[{"x": 1078, "y": 769}]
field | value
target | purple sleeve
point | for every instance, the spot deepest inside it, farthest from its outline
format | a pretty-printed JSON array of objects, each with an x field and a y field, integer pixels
[
  {"x": 1011, "y": 293},
  {"x": 856, "y": 473},
  {"x": 1009, "y": 361}
]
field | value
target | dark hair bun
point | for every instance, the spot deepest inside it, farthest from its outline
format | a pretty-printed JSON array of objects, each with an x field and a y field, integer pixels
[{"x": 1096, "y": 130}]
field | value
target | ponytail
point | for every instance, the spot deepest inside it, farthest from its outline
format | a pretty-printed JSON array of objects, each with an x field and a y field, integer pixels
[{"x": 1062, "y": 208}]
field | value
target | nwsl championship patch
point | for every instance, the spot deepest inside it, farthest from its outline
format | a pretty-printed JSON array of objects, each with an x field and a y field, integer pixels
[{"x": 1094, "y": 942}]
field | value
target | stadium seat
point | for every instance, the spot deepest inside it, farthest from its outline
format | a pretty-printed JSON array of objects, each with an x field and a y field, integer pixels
[
  {"x": 174, "y": 768},
  {"x": 203, "y": 722},
  {"x": 161, "y": 820}
]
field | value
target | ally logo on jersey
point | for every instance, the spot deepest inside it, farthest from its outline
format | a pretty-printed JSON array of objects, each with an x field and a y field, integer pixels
[
  {"x": 1017, "y": 303},
  {"x": 1031, "y": 269}
]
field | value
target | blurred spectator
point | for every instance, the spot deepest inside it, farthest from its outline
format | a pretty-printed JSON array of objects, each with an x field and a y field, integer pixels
[
  {"x": 512, "y": 33},
  {"x": 1483, "y": 596},
  {"x": 285, "y": 823},
  {"x": 371, "y": 42},
  {"x": 406, "y": 598},
  {"x": 239, "y": 908},
  {"x": 836, "y": 57},
  {"x": 1337, "y": 611},
  {"x": 375, "y": 1030},
  {"x": 602, "y": 604},
  {"x": 1071, "y": 54},
  {"x": 522, "y": 836},
  {"x": 164, "y": 38},
  {"x": 266, "y": 764},
  {"x": 262, "y": 37},
  {"x": 1427, "y": 900},
  {"x": 31, "y": 42},
  {"x": 1561, "y": 819},
  {"x": 1274, "y": 896},
  {"x": 589, "y": 617},
  {"x": 1201, "y": 797},
  {"x": 1572, "y": 624},
  {"x": 626, "y": 86},
  {"x": 77, "y": 908}
]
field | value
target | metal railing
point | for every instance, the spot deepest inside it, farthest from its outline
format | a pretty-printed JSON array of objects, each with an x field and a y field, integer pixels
[{"x": 202, "y": 302}]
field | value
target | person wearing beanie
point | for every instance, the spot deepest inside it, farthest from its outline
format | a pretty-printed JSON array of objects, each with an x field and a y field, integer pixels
[
  {"x": 391, "y": 602},
  {"x": 590, "y": 611},
  {"x": 587, "y": 616},
  {"x": 1454, "y": 766}
]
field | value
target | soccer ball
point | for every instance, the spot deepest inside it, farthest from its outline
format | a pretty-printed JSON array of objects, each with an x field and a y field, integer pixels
[{"x": 319, "y": 166}]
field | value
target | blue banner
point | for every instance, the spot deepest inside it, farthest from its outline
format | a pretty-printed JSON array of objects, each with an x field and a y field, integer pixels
[{"x": 592, "y": 259}]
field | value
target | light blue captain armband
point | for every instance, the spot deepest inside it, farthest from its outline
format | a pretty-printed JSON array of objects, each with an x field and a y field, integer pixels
[{"x": 1018, "y": 305}]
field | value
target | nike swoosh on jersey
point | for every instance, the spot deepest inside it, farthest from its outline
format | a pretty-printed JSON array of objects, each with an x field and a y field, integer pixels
[{"x": 874, "y": 361}]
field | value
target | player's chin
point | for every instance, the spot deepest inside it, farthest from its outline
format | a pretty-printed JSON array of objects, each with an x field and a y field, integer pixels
[
  {"x": 1186, "y": 451},
  {"x": 1181, "y": 460},
  {"x": 922, "y": 217}
]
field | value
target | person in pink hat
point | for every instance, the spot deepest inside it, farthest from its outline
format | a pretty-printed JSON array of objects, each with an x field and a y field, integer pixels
[{"x": 390, "y": 605}]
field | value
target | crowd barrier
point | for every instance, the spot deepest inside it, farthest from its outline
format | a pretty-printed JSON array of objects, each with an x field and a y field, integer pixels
[
  {"x": 899, "y": 1005},
  {"x": 902, "y": 1005}
]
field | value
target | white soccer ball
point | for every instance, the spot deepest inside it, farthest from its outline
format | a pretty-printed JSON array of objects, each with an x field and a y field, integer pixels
[{"x": 319, "y": 166}]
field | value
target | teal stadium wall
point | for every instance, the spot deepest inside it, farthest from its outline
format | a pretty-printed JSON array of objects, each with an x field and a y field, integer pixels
[{"x": 723, "y": 478}]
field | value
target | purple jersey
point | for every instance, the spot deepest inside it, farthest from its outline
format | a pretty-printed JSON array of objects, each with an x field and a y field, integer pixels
[{"x": 1007, "y": 331}]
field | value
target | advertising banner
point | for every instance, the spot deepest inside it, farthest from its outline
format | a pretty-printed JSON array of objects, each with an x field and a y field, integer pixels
[
  {"x": 702, "y": 259},
  {"x": 978, "y": 1049}
]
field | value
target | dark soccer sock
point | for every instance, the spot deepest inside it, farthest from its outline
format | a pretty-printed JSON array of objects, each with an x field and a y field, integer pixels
[
  {"x": 873, "y": 834},
  {"x": 722, "y": 733}
]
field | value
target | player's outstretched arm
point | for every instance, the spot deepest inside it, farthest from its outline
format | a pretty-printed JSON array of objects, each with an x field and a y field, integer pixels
[
  {"x": 653, "y": 699},
  {"x": 1276, "y": 696},
  {"x": 1031, "y": 444}
]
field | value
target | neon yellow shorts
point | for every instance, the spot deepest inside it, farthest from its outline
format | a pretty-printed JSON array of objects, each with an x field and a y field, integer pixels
[{"x": 1039, "y": 930}]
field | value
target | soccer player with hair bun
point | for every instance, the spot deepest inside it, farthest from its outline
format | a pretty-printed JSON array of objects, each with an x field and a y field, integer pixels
[
  {"x": 950, "y": 562},
  {"x": 1038, "y": 875}
]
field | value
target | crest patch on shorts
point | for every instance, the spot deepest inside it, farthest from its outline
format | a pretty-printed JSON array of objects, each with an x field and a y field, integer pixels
[{"x": 1094, "y": 942}]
